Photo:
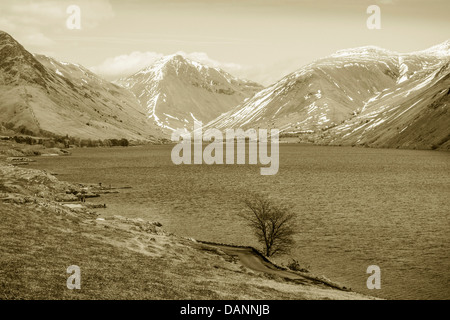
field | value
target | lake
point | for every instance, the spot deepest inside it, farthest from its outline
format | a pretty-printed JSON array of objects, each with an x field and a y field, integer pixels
[{"x": 355, "y": 207}]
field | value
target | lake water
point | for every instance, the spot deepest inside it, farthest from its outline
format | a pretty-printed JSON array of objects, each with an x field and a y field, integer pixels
[{"x": 355, "y": 207}]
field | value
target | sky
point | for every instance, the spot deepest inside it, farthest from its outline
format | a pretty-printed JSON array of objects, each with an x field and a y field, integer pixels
[{"x": 261, "y": 40}]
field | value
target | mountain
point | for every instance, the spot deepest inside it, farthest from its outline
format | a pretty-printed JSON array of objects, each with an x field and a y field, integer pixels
[
  {"x": 367, "y": 95},
  {"x": 39, "y": 94},
  {"x": 175, "y": 91},
  {"x": 318, "y": 95},
  {"x": 326, "y": 99},
  {"x": 414, "y": 114}
]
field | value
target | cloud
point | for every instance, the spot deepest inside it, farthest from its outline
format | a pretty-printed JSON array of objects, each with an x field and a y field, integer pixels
[
  {"x": 6, "y": 24},
  {"x": 44, "y": 9},
  {"x": 126, "y": 64},
  {"x": 35, "y": 23},
  {"x": 53, "y": 12},
  {"x": 263, "y": 74},
  {"x": 202, "y": 57},
  {"x": 94, "y": 12},
  {"x": 37, "y": 39}
]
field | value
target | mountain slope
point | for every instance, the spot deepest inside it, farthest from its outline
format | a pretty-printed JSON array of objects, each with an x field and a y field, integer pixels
[
  {"x": 176, "y": 91},
  {"x": 41, "y": 94},
  {"x": 328, "y": 91},
  {"x": 413, "y": 114}
]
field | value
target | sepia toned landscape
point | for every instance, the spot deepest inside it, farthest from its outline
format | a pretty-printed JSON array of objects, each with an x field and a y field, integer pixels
[{"x": 88, "y": 177}]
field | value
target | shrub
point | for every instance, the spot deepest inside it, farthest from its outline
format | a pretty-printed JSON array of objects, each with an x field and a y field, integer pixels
[
  {"x": 272, "y": 223},
  {"x": 294, "y": 265}
]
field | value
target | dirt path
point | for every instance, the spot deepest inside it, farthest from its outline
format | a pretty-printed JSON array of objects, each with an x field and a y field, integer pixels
[{"x": 254, "y": 261}]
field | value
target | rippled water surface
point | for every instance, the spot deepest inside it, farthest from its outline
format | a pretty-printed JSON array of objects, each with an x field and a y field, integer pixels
[{"x": 355, "y": 207}]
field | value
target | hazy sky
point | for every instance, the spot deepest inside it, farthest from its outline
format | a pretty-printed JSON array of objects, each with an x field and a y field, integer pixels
[{"x": 258, "y": 39}]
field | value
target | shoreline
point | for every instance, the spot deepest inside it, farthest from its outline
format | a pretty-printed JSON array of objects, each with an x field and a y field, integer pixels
[
  {"x": 320, "y": 251},
  {"x": 25, "y": 198}
]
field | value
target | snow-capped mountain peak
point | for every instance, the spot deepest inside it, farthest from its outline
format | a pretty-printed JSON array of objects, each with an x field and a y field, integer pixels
[
  {"x": 333, "y": 89},
  {"x": 174, "y": 61},
  {"x": 440, "y": 50},
  {"x": 176, "y": 90},
  {"x": 362, "y": 51}
]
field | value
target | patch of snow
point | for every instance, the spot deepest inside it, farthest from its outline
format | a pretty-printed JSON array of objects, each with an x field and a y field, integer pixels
[
  {"x": 318, "y": 94},
  {"x": 195, "y": 119},
  {"x": 312, "y": 107},
  {"x": 376, "y": 123},
  {"x": 408, "y": 108},
  {"x": 403, "y": 70},
  {"x": 172, "y": 117}
]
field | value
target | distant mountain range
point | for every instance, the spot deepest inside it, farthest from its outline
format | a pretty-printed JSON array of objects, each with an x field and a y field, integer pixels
[{"x": 363, "y": 96}]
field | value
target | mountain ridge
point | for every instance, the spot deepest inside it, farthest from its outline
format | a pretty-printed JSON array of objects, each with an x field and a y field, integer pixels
[
  {"x": 319, "y": 102},
  {"x": 40, "y": 95},
  {"x": 329, "y": 91},
  {"x": 176, "y": 91}
]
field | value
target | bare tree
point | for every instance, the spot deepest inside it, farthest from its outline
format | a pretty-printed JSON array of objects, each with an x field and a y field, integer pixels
[{"x": 273, "y": 223}]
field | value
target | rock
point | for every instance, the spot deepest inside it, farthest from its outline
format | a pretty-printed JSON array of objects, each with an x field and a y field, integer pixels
[
  {"x": 64, "y": 197},
  {"x": 14, "y": 153},
  {"x": 73, "y": 206},
  {"x": 19, "y": 160}
]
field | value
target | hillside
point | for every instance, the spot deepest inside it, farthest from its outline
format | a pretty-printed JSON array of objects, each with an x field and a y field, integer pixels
[
  {"x": 326, "y": 100},
  {"x": 414, "y": 114},
  {"x": 39, "y": 94},
  {"x": 175, "y": 91}
]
